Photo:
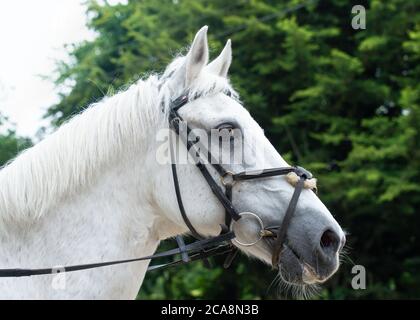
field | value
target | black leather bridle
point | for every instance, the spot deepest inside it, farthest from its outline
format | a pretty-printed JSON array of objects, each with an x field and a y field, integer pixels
[
  {"x": 203, "y": 247},
  {"x": 228, "y": 179}
]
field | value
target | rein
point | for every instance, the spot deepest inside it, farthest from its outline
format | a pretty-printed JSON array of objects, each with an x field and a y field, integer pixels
[{"x": 203, "y": 247}]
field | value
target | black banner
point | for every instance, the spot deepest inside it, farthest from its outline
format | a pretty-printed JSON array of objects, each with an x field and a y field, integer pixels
[{"x": 202, "y": 309}]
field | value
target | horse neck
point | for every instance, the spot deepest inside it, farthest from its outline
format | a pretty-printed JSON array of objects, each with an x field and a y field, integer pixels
[{"x": 116, "y": 217}]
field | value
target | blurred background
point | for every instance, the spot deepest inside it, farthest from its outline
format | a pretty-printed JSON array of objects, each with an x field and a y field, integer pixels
[{"x": 341, "y": 100}]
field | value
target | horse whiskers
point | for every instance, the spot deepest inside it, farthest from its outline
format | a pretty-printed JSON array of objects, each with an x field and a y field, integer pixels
[
  {"x": 275, "y": 281},
  {"x": 344, "y": 257},
  {"x": 346, "y": 249},
  {"x": 296, "y": 290}
]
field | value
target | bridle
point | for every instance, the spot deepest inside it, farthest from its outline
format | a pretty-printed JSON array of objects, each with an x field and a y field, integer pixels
[
  {"x": 228, "y": 179},
  {"x": 203, "y": 247}
]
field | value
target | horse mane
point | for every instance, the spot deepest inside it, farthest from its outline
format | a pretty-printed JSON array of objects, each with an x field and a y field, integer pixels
[{"x": 72, "y": 157}]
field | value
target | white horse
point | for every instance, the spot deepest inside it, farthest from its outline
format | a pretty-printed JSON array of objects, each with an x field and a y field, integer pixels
[{"x": 93, "y": 191}]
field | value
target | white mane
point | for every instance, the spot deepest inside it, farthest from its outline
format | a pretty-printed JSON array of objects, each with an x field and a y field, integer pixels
[{"x": 72, "y": 157}]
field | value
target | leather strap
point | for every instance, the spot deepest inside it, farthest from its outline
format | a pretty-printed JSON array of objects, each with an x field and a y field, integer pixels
[
  {"x": 234, "y": 250},
  {"x": 202, "y": 255},
  {"x": 228, "y": 193},
  {"x": 230, "y": 257},
  {"x": 281, "y": 233},
  {"x": 195, "y": 246},
  {"x": 181, "y": 246},
  {"x": 258, "y": 174},
  {"x": 218, "y": 192},
  {"x": 178, "y": 194}
]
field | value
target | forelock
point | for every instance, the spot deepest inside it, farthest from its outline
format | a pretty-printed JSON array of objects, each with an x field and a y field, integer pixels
[{"x": 205, "y": 85}]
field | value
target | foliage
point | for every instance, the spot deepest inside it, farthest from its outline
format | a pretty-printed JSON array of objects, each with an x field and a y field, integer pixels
[
  {"x": 10, "y": 143},
  {"x": 342, "y": 102}
]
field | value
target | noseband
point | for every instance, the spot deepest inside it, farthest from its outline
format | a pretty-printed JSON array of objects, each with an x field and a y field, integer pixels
[{"x": 204, "y": 247}]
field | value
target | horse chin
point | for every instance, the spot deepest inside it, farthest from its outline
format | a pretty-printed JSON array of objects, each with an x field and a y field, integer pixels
[{"x": 295, "y": 271}]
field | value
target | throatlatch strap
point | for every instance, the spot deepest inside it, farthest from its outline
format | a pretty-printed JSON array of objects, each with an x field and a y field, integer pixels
[{"x": 178, "y": 195}]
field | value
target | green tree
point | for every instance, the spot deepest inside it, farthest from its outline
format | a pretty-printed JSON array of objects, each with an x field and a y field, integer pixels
[
  {"x": 10, "y": 143},
  {"x": 341, "y": 102}
]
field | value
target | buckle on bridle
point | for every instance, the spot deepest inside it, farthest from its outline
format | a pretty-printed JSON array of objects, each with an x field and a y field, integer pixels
[
  {"x": 265, "y": 233},
  {"x": 303, "y": 173},
  {"x": 175, "y": 120},
  {"x": 227, "y": 179}
]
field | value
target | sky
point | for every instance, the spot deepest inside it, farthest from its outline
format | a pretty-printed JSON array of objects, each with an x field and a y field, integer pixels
[{"x": 32, "y": 39}]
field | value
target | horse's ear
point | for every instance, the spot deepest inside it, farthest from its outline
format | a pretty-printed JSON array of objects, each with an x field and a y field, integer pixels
[
  {"x": 197, "y": 57},
  {"x": 221, "y": 64}
]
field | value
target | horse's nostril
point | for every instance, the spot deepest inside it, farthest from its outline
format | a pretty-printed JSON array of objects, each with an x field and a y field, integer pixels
[{"x": 329, "y": 241}]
